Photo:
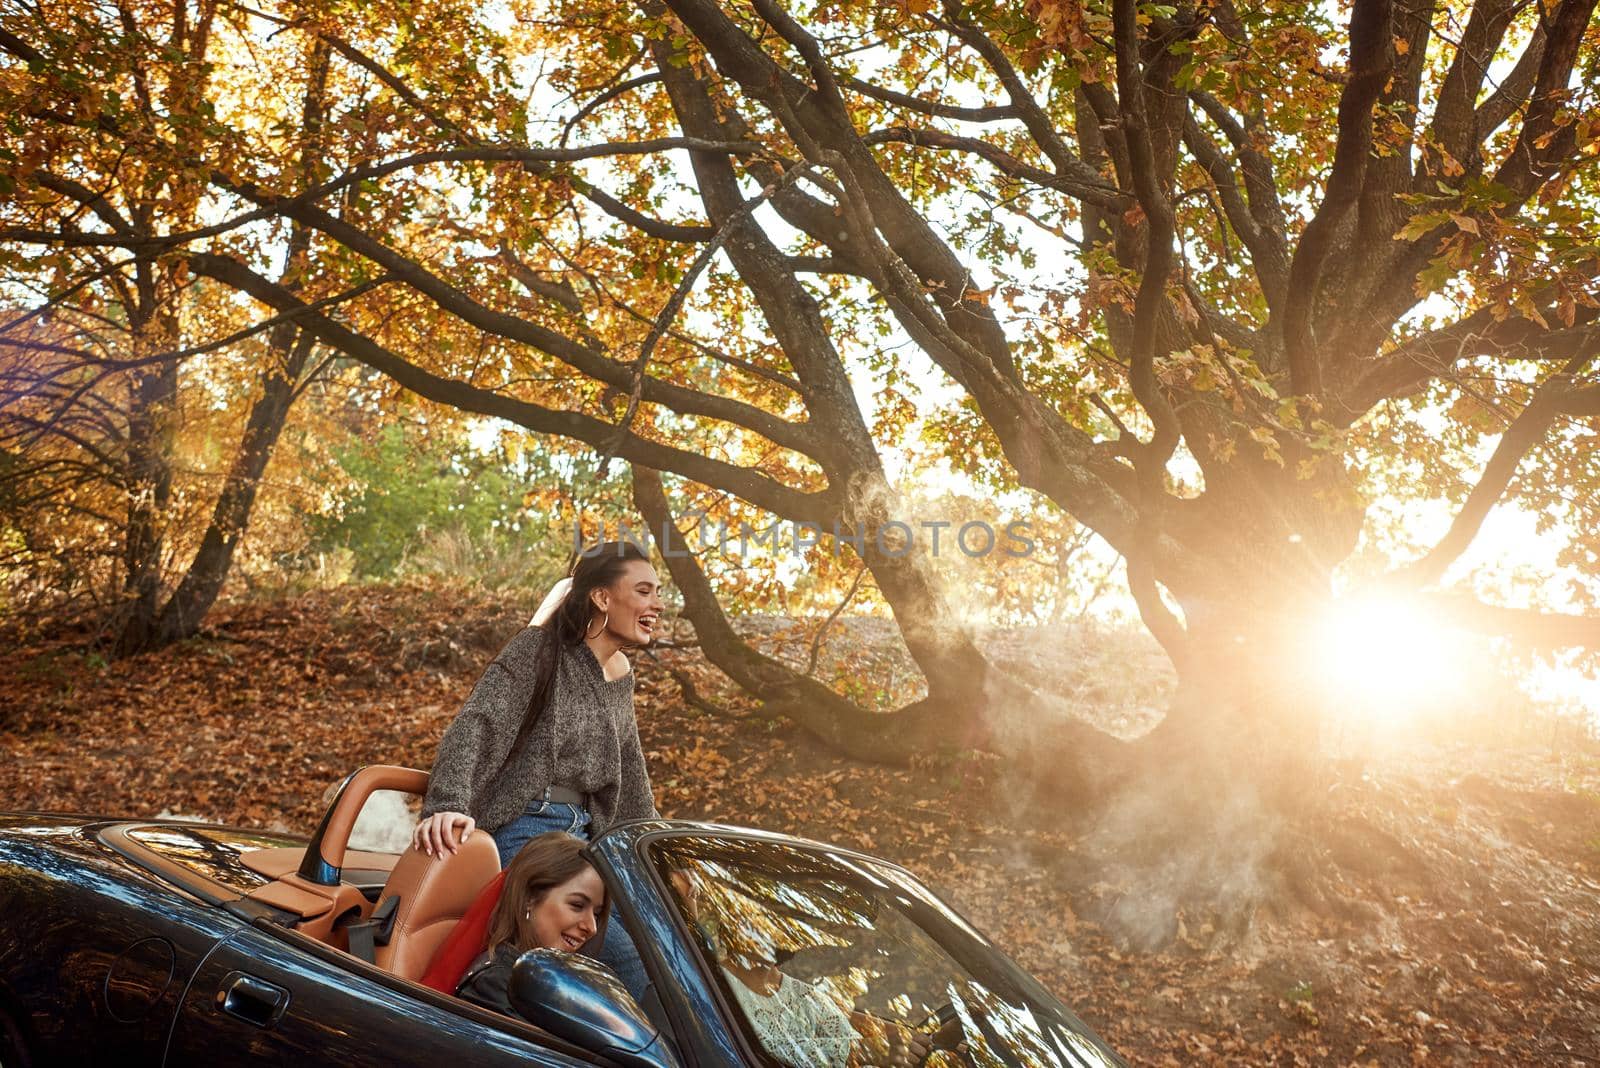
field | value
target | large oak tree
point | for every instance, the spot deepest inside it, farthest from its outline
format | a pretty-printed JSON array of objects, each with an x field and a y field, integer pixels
[{"x": 1205, "y": 277}]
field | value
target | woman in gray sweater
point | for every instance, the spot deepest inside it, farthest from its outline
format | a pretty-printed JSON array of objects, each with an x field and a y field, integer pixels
[{"x": 547, "y": 740}]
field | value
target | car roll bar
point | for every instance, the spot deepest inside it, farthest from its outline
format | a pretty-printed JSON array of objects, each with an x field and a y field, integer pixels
[{"x": 324, "y": 856}]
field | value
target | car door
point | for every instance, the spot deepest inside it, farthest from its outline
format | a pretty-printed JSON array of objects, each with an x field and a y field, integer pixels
[
  {"x": 872, "y": 958},
  {"x": 270, "y": 996},
  {"x": 94, "y": 954}
]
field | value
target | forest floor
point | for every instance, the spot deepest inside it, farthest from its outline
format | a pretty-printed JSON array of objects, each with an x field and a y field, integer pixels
[{"x": 1479, "y": 943}]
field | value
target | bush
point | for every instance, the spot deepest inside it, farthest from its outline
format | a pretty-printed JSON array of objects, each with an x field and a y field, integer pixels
[{"x": 416, "y": 506}]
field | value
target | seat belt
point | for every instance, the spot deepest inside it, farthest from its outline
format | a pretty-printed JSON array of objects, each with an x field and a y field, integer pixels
[{"x": 371, "y": 933}]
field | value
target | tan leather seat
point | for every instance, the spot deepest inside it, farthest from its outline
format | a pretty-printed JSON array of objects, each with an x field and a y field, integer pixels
[{"x": 434, "y": 893}]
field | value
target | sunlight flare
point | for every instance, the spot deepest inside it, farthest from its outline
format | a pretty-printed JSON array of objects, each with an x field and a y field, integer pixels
[{"x": 1385, "y": 657}]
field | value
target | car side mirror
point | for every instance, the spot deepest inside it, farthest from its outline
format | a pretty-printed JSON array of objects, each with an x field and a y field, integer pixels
[{"x": 580, "y": 1000}]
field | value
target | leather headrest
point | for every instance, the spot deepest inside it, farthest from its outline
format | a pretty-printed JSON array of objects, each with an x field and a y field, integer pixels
[{"x": 434, "y": 893}]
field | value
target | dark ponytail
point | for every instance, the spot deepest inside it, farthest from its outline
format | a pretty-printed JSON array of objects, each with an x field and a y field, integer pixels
[{"x": 596, "y": 567}]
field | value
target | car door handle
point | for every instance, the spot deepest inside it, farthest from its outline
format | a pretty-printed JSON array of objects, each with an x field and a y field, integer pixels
[{"x": 255, "y": 1001}]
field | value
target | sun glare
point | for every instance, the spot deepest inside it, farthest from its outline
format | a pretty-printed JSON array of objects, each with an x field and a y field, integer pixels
[{"x": 1386, "y": 657}]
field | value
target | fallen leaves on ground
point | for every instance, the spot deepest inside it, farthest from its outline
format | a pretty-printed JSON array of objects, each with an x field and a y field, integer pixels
[{"x": 1482, "y": 943}]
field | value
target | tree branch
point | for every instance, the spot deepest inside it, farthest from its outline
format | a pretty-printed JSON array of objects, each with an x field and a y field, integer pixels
[
  {"x": 747, "y": 483},
  {"x": 16, "y": 46},
  {"x": 395, "y": 83},
  {"x": 1543, "y": 140},
  {"x": 1371, "y": 61},
  {"x": 797, "y": 437},
  {"x": 1034, "y": 118},
  {"x": 932, "y": 108},
  {"x": 1260, "y": 179},
  {"x": 817, "y": 709},
  {"x": 1453, "y": 126},
  {"x": 1527, "y": 627},
  {"x": 620, "y": 89},
  {"x": 680, "y": 294},
  {"x": 538, "y": 160},
  {"x": 1513, "y": 88},
  {"x": 1097, "y": 192},
  {"x": 1524, "y": 432},
  {"x": 1583, "y": 403},
  {"x": 1439, "y": 352},
  {"x": 1151, "y": 297},
  {"x": 821, "y": 632},
  {"x": 1268, "y": 255}
]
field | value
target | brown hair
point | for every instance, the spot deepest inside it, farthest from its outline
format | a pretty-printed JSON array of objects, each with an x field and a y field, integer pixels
[{"x": 546, "y": 862}]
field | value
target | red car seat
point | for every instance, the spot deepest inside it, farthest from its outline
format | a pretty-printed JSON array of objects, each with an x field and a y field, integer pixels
[{"x": 465, "y": 941}]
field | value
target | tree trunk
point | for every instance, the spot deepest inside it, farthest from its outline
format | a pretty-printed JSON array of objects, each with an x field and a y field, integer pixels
[
  {"x": 968, "y": 703},
  {"x": 1246, "y": 707},
  {"x": 201, "y": 584},
  {"x": 152, "y": 404},
  {"x": 290, "y": 348},
  {"x": 957, "y": 673},
  {"x": 1215, "y": 814},
  {"x": 835, "y": 721}
]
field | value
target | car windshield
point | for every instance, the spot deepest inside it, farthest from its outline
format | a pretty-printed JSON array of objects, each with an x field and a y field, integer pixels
[{"x": 834, "y": 960}]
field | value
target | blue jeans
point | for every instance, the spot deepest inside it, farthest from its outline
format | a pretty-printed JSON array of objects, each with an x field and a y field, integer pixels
[{"x": 617, "y": 950}]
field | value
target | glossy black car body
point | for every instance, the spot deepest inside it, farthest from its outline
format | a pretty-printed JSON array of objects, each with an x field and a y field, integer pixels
[{"x": 105, "y": 958}]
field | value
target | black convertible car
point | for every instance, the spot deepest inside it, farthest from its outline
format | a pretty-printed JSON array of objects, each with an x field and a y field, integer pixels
[{"x": 151, "y": 942}]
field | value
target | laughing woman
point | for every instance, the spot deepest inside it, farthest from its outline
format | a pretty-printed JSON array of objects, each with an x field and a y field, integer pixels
[
  {"x": 547, "y": 740},
  {"x": 553, "y": 899}
]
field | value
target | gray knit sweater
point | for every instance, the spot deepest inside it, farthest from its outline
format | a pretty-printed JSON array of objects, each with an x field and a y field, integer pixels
[{"x": 586, "y": 740}]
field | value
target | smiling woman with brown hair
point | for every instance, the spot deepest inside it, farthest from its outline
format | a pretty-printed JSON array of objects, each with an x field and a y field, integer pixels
[
  {"x": 552, "y": 899},
  {"x": 547, "y": 740}
]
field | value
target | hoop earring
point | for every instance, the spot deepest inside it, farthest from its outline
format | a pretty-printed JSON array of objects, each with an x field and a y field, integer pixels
[{"x": 604, "y": 623}]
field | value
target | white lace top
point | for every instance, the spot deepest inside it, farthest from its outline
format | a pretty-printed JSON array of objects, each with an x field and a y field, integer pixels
[{"x": 797, "y": 1023}]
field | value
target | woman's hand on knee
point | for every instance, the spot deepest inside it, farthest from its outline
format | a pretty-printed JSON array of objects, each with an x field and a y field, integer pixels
[{"x": 442, "y": 831}]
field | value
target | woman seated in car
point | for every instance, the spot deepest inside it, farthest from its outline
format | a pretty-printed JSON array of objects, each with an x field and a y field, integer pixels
[{"x": 553, "y": 899}]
